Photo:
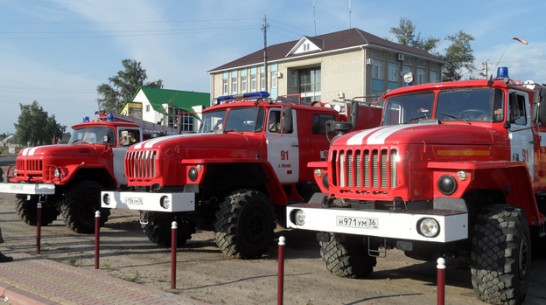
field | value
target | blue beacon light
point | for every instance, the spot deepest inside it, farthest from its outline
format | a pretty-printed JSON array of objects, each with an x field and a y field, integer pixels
[{"x": 502, "y": 72}]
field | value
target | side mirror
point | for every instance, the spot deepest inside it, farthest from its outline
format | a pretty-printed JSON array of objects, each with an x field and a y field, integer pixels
[
  {"x": 541, "y": 114},
  {"x": 354, "y": 113}
]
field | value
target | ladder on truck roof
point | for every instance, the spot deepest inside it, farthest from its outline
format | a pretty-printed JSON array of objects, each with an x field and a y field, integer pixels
[{"x": 146, "y": 126}]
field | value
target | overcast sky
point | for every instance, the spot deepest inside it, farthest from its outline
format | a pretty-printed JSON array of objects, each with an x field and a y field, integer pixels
[{"x": 57, "y": 52}]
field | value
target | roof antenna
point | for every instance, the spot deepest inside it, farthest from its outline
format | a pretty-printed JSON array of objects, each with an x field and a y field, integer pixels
[
  {"x": 314, "y": 20},
  {"x": 350, "y": 11}
]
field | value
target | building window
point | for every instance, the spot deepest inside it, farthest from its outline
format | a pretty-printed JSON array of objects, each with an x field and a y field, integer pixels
[
  {"x": 393, "y": 76},
  {"x": 274, "y": 80},
  {"x": 262, "y": 81},
  {"x": 377, "y": 69},
  {"x": 186, "y": 122},
  {"x": 225, "y": 86},
  {"x": 377, "y": 77},
  {"x": 310, "y": 85},
  {"x": 234, "y": 84},
  {"x": 306, "y": 47},
  {"x": 253, "y": 83},
  {"x": 420, "y": 76},
  {"x": 147, "y": 108},
  {"x": 243, "y": 84},
  {"x": 433, "y": 76},
  {"x": 294, "y": 79}
]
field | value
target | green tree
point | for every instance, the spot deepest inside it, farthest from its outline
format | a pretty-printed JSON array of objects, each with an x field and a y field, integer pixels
[
  {"x": 405, "y": 35},
  {"x": 123, "y": 86},
  {"x": 458, "y": 56},
  {"x": 35, "y": 127}
]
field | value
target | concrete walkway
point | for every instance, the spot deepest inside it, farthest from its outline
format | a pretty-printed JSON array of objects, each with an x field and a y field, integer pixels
[{"x": 33, "y": 279}]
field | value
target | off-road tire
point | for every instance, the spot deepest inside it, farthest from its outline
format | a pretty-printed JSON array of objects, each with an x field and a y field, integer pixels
[
  {"x": 347, "y": 256},
  {"x": 28, "y": 210},
  {"x": 245, "y": 224},
  {"x": 501, "y": 255},
  {"x": 79, "y": 205},
  {"x": 159, "y": 228}
]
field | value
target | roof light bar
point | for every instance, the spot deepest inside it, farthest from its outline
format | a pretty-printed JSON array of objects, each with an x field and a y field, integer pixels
[{"x": 249, "y": 95}]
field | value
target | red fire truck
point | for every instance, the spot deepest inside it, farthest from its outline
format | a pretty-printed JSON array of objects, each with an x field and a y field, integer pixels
[
  {"x": 456, "y": 169},
  {"x": 236, "y": 175},
  {"x": 67, "y": 178}
]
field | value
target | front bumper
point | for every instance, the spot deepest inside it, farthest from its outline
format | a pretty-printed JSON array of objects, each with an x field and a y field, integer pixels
[
  {"x": 28, "y": 188},
  {"x": 384, "y": 224},
  {"x": 145, "y": 201}
]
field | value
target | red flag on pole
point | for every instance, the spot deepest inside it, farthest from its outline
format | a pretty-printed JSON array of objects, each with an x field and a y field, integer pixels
[{"x": 521, "y": 40}]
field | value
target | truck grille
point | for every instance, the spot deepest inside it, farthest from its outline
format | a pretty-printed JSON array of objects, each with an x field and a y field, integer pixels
[
  {"x": 365, "y": 168},
  {"x": 141, "y": 164},
  {"x": 29, "y": 167}
]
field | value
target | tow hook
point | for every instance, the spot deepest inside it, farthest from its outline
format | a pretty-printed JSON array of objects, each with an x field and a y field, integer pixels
[{"x": 143, "y": 217}]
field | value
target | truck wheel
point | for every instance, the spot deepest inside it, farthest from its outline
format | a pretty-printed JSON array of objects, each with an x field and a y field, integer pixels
[
  {"x": 347, "y": 256},
  {"x": 79, "y": 205},
  {"x": 245, "y": 224},
  {"x": 159, "y": 228},
  {"x": 27, "y": 210},
  {"x": 500, "y": 255}
]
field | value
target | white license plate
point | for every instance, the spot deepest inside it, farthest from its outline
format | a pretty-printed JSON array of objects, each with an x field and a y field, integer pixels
[
  {"x": 357, "y": 222},
  {"x": 133, "y": 201}
]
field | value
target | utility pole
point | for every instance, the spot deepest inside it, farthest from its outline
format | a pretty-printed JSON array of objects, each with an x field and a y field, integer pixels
[
  {"x": 264, "y": 28},
  {"x": 485, "y": 71}
]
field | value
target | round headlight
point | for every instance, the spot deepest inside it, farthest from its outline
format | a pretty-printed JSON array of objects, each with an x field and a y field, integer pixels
[
  {"x": 165, "y": 202},
  {"x": 318, "y": 172},
  {"x": 106, "y": 199},
  {"x": 193, "y": 174},
  {"x": 57, "y": 173},
  {"x": 428, "y": 227},
  {"x": 297, "y": 217},
  {"x": 447, "y": 184}
]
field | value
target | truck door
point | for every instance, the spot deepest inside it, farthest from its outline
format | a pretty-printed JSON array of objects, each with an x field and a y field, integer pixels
[
  {"x": 520, "y": 132},
  {"x": 283, "y": 146}
]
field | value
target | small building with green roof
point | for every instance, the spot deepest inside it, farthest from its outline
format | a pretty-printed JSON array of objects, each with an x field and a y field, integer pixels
[{"x": 163, "y": 106}]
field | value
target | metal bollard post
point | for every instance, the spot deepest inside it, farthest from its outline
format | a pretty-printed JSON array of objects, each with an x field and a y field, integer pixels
[
  {"x": 280, "y": 276},
  {"x": 97, "y": 238},
  {"x": 441, "y": 275},
  {"x": 174, "y": 234},
  {"x": 38, "y": 226}
]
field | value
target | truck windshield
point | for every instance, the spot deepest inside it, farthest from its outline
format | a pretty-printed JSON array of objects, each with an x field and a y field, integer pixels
[
  {"x": 92, "y": 135},
  {"x": 237, "y": 119},
  {"x": 481, "y": 104}
]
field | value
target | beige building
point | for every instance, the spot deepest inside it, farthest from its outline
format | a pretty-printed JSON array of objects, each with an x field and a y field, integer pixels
[{"x": 334, "y": 66}]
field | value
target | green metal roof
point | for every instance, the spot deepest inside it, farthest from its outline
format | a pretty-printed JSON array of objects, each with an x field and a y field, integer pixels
[{"x": 180, "y": 99}]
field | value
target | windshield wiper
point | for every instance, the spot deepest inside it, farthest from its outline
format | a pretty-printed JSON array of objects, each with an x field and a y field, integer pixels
[
  {"x": 458, "y": 118},
  {"x": 416, "y": 119}
]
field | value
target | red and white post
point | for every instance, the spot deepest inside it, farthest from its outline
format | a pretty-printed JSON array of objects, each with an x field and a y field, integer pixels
[
  {"x": 38, "y": 226},
  {"x": 97, "y": 238},
  {"x": 174, "y": 229},
  {"x": 441, "y": 275},
  {"x": 280, "y": 276}
]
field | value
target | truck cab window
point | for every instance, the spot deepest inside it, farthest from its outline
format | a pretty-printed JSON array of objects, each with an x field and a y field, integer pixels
[
  {"x": 409, "y": 108},
  {"x": 483, "y": 104},
  {"x": 518, "y": 114},
  {"x": 128, "y": 137},
  {"x": 319, "y": 123}
]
